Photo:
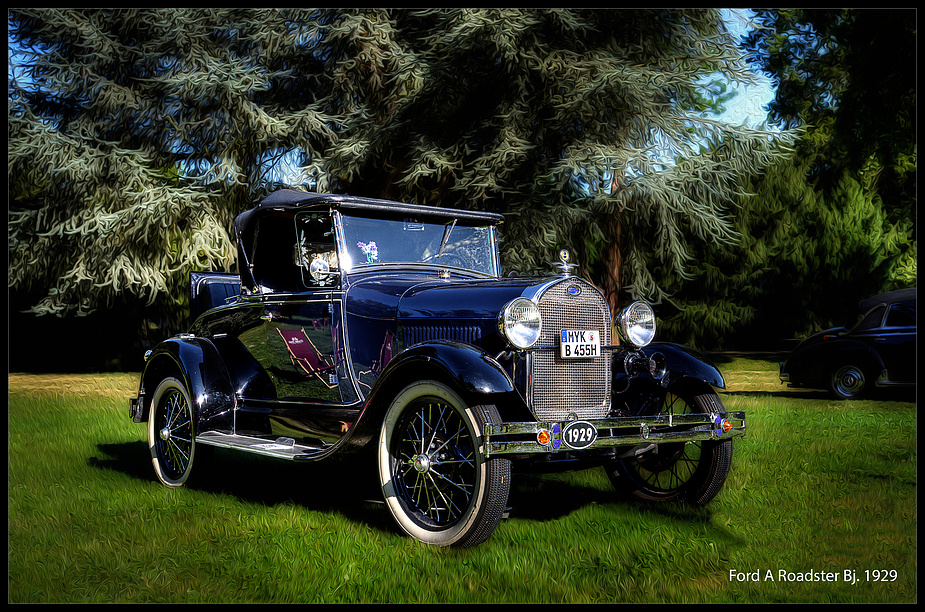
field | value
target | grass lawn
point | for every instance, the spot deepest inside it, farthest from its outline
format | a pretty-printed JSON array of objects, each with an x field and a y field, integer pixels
[{"x": 820, "y": 506}]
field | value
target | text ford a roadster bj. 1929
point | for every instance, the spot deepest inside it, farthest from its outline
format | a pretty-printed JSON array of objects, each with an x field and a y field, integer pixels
[{"x": 360, "y": 325}]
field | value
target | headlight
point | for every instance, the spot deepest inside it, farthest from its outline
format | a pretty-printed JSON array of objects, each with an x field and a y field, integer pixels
[
  {"x": 521, "y": 322},
  {"x": 637, "y": 324}
]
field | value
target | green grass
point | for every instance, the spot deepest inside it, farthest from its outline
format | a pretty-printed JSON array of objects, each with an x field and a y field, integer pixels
[{"x": 817, "y": 485}]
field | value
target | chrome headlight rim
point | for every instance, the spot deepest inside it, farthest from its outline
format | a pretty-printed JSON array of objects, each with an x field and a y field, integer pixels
[
  {"x": 521, "y": 323},
  {"x": 636, "y": 324}
]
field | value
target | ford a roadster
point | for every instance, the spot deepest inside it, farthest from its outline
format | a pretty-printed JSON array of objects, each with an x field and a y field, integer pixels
[{"x": 385, "y": 330}]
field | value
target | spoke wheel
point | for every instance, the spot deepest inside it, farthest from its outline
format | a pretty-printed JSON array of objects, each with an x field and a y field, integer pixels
[
  {"x": 437, "y": 484},
  {"x": 171, "y": 434},
  {"x": 689, "y": 471}
]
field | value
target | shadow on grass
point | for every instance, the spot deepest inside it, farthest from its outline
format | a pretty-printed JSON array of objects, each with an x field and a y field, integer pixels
[
  {"x": 342, "y": 487},
  {"x": 350, "y": 487},
  {"x": 541, "y": 497},
  {"x": 812, "y": 394}
]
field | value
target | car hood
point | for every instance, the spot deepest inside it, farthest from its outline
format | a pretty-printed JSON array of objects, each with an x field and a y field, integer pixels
[
  {"x": 461, "y": 299},
  {"x": 411, "y": 297}
]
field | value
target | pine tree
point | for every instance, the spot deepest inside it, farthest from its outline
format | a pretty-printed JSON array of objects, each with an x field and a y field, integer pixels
[
  {"x": 136, "y": 136},
  {"x": 807, "y": 257},
  {"x": 836, "y": 223},
  {"x": 851, "y": 76}
]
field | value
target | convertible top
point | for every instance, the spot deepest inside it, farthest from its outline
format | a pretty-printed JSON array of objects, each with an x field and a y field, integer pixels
[
  {"x": 900, "y": 295},
  {"x": 290, "y": 200},
  {"x": 286, "y": 203}
]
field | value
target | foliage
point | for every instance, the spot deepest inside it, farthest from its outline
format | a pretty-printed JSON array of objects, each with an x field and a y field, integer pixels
[
  {"x": 849, "y": 74},
  {"x": 135, "y": 136},
  {"x": 807, "y": 257},
  {"x": 837, "y": 223}
]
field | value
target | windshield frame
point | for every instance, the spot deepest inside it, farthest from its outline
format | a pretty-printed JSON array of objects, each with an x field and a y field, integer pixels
[{"x": 437, "y": 227}]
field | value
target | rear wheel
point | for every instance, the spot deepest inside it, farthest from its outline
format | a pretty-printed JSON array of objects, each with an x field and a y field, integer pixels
[
  {"x": 171, "y": 433},
  {"x": 437, "y": 483},
  {"x": 684, "y": 471},
  {"x": 847, "y": 382}
]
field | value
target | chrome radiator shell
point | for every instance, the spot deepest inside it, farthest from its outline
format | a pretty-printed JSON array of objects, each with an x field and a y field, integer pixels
[{"x": 568, "y": 388}]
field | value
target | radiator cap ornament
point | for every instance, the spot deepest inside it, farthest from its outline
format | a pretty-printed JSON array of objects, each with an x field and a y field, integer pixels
[{"x": 565, "y": 268}]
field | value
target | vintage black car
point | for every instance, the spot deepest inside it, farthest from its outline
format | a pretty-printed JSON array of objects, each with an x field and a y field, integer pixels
[
  {"x": 876, "y": 351},
  {"x": 368, "y": 326}
]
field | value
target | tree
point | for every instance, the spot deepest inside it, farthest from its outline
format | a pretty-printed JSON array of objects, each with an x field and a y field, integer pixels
[
  {"x": 139, "y": 134},
  {"x": 836, "y": 223},
  {"x": 850, "y": 75},
  {"x": 806, "y": 258}
]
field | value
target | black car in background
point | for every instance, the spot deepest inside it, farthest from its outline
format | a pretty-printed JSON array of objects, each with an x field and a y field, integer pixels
[
  {"x": 876, "y": 351},
  {"x": 385, "y": 331}
]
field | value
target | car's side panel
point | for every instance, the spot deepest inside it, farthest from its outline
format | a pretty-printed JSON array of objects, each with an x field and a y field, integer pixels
[
  {"x": 369, "y": 308},
  {"x": 896, "y": 347},
  {"x": 813, "y": 365},
  {"x": 300, "y": 351}
]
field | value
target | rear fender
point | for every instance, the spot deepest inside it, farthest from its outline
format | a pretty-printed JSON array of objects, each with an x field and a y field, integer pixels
[{"x": 195, "y": 362}]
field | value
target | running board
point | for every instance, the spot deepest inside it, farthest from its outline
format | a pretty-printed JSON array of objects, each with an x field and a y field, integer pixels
[{"x": 281, "y": 448}]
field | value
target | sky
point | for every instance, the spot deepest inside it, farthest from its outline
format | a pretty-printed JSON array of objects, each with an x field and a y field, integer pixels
[{"x": 748, "y": 106}]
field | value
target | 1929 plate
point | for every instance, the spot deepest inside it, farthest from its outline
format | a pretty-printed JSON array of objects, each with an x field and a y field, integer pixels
[{"x": 579, "y": 434}]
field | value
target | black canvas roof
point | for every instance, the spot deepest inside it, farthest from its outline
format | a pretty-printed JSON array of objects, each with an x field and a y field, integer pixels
[
  {"x": 291, "y": 200},
  {"x": 287, "y": 202},
  {"x": 900, "y": 295}
]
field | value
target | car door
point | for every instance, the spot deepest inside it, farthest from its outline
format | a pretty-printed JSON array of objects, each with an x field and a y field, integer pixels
[
  {"x": 895, "y": 342},
  {"x": 301, "y": 333}
]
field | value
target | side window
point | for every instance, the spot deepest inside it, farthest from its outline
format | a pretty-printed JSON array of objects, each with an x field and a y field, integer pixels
[
  {"x": 901, "y": 315},
  {"x": 315, "y": 253},
  {"x": 273, "y": 266}
]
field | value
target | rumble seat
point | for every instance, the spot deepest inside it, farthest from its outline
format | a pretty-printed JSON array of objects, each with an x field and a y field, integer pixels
[{"x": 211, "y": 289}]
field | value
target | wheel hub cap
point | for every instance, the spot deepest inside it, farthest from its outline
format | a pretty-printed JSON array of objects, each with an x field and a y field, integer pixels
[
  {"x": 421, "y": 463},
  {"x": 165, "y": 434}
]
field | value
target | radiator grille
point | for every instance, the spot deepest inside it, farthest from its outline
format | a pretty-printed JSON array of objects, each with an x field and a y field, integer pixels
[{"x": 559, "y": 386}]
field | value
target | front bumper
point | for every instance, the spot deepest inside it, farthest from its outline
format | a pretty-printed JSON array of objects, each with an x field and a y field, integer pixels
[{"x": 547, "y": 437}]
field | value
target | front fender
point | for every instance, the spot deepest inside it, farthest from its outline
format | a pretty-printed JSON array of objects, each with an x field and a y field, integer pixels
[
  {"x": 685, "y": 362},
  {"x": 680, "y": 362},
  {"x": 197, "y": 363},
  {"x": 476, "y": 376},
  {"x": 470, "y": 371}
]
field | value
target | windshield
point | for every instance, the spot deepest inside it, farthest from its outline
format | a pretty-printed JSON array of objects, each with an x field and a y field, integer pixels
[{"x": 447, "y": 245}]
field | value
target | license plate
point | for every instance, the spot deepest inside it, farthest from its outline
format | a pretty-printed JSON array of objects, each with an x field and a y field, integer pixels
[
  {"x": 579, "y": 344},
  {"x": 579, "y": 434}
]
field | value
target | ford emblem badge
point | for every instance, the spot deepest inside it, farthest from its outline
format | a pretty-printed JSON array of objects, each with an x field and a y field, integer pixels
[{"x": 574, "y": 290}]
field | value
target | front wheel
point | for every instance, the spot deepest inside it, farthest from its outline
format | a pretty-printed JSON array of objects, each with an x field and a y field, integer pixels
[
  {"x": 683, "y": 471},
  {"x": 171, "y": 434},
  {"x": 437, "y": 483}
]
